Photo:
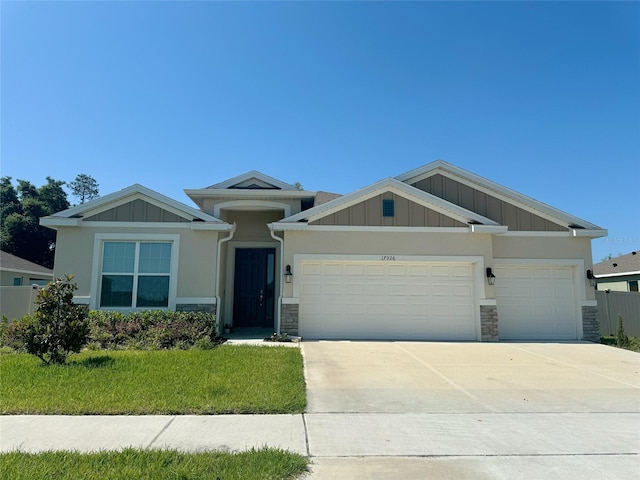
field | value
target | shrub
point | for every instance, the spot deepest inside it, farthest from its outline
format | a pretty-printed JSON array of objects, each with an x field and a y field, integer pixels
[
  {"x": 151, "y": 329},
  {"x": 58, "y": 327},
  {"x": 621, "y": 337}
]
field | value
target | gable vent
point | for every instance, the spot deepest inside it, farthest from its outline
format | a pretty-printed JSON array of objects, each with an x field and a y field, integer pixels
[{"x": 388, "y": 208}]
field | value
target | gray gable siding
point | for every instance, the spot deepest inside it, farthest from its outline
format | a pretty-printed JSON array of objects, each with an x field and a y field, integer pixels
[
  {"x": 486, "y": 205},
  {"x": 407, "y": 214},
  {"x": 136, "y": 211}
]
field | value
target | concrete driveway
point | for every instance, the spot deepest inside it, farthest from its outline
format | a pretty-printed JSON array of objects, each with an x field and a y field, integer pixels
[{"x": 472, "y": 410}]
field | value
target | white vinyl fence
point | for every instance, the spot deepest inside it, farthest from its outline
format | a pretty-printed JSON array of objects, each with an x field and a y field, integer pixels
[
  {"x": 612, "y": 304},
  {"x": 16, "y": 302}
]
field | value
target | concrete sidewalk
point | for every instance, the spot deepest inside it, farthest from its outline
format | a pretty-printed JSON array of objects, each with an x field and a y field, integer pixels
[{"x": 343, "y": 445}]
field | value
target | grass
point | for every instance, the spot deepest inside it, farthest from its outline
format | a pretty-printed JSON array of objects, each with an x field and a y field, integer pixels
[
  {"x": 152, "y": 464},
  {"x": 634, "y": 342},
  {"x": 227, "y": 379}
]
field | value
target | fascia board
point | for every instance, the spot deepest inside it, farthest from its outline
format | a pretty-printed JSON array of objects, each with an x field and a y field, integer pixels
[
  {"x": 621, "y": 274},
  {"x": 27, "y": 272},
  {"x": 390, "y": 184},
  {"x": 578, "y": 232},
  {"x": 248, "y": 176},
  {"x": 241, "y": 193},
  {"x": 221, "y": 227},
  {"x": 59, "y": 222},
  {"x": 493, "y": 229},
  {"x": 492, "y": 188}
]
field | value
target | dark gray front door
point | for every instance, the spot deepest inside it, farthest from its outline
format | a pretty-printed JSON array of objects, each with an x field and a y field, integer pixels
[{"x": 254, "y": 287}]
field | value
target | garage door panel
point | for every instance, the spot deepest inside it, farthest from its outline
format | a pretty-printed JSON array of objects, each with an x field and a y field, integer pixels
[
  {"x": 369, "y": 300},
  {"x": 536, "y": 302}
]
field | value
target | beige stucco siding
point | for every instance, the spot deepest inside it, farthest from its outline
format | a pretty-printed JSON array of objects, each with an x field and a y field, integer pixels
[
  {"x": 136, "y": 211},
  {"x": 252, "y": 226},
  {"x": 196, "y": 261},
  {"x": 7, "y": 276},
  {"x": 407, "y": 214},
  {"x": 384, "y": 243},
  {"x": 517, "y": 219}
]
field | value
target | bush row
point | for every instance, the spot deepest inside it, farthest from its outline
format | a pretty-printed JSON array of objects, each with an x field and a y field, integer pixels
[{"x": 144, "y": 330}]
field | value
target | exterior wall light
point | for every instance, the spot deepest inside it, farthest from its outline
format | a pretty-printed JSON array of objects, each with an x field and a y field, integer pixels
[
  {"x": 491, "y": 278},
  {"x": 592, "y": 278},
  {"x": 287, "y": 274}
]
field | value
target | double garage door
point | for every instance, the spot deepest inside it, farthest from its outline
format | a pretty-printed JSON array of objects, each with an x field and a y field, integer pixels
[
  {"x": 387, "y": 300},
  {"x": 432, "y": 301}
]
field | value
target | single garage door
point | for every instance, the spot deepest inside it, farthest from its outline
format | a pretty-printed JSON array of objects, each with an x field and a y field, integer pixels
[
  {"x": 536, "y": 302},
  {"x": 387, "y": 300}
]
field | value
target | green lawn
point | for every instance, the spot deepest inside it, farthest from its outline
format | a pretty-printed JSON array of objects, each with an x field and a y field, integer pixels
[
  {"x": 227, "y": 379},
  {"x": 152, "y": 464}
]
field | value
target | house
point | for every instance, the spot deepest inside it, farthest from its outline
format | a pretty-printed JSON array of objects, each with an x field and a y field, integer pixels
[
  {"x": 16, "y": 271},
  {"x": 436, "y": 253},
  {"x": 620, "y": 274},
  {"x": 18, "y": 281}
]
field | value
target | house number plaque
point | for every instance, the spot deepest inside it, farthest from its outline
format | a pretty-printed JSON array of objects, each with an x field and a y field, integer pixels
[{"x": 388, "y": 258}]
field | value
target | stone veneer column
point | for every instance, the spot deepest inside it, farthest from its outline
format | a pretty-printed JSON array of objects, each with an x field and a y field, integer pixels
[
  {"x": 488, "y": 323},
  {"x": 590, "y": 324},
  {"x": 289, "y": 318}
]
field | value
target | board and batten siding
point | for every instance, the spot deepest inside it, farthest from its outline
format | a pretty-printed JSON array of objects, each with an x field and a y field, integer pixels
[
  {"x": 407, "y": 214},
  {"x": 136, "y": 211},
  {"x": 517, "y": 219}
]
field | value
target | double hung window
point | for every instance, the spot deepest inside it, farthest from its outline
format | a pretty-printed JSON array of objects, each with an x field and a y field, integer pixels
[{"x": 135, "y": 274}]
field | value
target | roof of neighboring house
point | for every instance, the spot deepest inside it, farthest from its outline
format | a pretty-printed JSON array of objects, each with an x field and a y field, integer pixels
[
  {"x": 324, "y": 197},
  {"x": 11, "y": 262},
  {"x": 622, "y": 265}
]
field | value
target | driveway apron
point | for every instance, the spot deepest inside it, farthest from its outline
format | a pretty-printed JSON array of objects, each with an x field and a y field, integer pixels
[{"x": 495, "y": 405}]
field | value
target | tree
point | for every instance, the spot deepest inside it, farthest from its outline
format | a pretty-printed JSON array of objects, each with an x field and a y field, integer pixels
[
  {"x": 297, "y": 186},
  {"x": 59, "y": 327},
  {"x": 84, "y": 187},
  {"x": 21, "y": 208}
]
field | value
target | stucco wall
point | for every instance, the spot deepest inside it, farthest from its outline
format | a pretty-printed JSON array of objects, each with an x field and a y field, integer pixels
[{"x": 196, "y": 262}]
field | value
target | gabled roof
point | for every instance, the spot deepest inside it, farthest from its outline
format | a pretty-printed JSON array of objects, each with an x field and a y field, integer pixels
[
  {"x": 9, "y": 261},
  {"x": 497, "y": 190},
  {"x": 399, "y": 188},
  {"x": 251, "y": 180},
  {"x": 123, "y": 196},
  {"x": 628, "y": 264}
]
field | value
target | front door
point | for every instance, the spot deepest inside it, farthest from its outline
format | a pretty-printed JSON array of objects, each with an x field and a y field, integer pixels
[{"x": 254, "y": 287}]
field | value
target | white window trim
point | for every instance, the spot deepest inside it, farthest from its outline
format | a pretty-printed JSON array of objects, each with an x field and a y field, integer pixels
[{"x": 96, "y": 270}]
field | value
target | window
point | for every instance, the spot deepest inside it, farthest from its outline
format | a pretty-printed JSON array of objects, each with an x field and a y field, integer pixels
[
  {"x": 388, "y": 209},
  {"x": 633, "y": 285},
  {"x": 135, "y": 274},
  {"x": 17, "y": 281}
]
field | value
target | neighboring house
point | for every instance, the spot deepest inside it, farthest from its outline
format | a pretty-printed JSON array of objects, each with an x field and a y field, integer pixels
[
  {"x": 620, "y": 274},
  {"x": 17, "y": 277},
  {"x": 16, "y": 271},
  {"x": 410, "y": 257}
]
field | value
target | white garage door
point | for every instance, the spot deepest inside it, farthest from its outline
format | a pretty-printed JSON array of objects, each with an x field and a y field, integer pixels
[
  {"x": 387, "y": 300},
  {"x": 536, "y": 302}
]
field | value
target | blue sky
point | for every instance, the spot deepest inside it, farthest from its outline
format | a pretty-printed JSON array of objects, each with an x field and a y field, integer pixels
[{"x": 542, "y": 97}]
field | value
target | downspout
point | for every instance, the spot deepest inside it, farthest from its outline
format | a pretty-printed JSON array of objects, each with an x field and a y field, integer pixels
[
  {"x": 280, "y": 286},
  {"x": 220, "y": 242}
]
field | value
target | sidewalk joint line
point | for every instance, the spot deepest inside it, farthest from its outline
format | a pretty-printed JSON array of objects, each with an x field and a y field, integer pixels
[
  {"x": 306, "y": 434},
  {"x": 161, "y": 432}
]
